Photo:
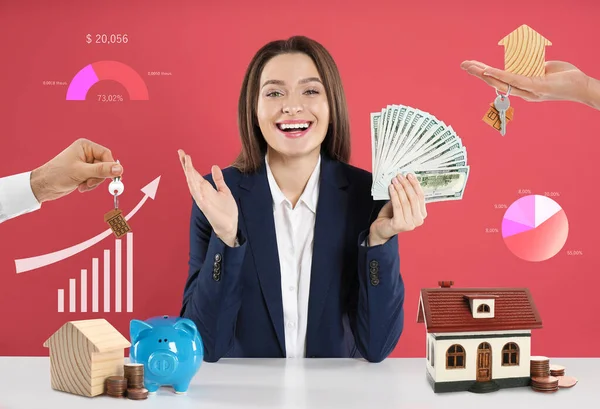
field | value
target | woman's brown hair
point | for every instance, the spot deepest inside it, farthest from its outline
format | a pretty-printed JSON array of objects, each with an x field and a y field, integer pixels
[{"x": 337, "y": 141}]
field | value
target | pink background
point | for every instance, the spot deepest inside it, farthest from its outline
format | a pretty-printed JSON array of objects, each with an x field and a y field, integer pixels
[{"x": 395, "y": 52}]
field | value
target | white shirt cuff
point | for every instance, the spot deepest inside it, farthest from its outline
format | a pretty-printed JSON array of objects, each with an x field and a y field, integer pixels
[{"x": 16, "y": 196}]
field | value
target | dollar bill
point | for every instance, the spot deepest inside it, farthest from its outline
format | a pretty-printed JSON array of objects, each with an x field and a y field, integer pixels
[
  {"x": 437, "y": 184},
  {"x": 374, "y": 135},
  {"x": 407, "y": 139}
]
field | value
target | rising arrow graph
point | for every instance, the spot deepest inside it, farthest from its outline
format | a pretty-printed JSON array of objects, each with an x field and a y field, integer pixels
[{"x": 32, "y": 263}]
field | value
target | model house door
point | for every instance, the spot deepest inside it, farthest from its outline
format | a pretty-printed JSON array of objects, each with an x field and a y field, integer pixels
[{"x": 484, "y": 362}]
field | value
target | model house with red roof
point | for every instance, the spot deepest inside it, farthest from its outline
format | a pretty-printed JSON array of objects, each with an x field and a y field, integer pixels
[{"x": 478, "y": 339}]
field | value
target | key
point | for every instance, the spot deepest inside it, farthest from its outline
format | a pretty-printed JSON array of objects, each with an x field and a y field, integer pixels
[
  {"x": 114, "y": 218},
  {"x": 502, "y": 104},
  {"x": 492, "y": 117}
]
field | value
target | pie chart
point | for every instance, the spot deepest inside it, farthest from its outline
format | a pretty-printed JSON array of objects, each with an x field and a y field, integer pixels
[{"x": 535, "y": 228}]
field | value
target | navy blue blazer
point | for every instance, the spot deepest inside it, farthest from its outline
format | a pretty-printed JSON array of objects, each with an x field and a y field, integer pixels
[{"x": 356, "y": 302}]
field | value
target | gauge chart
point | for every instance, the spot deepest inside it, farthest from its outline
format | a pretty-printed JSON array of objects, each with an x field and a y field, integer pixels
[
  {"x": 98, "y": 71},
  {"x": 535, "y": 228}
]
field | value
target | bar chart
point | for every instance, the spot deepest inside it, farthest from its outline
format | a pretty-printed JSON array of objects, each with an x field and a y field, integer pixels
[{"x": 112, "y": 282}]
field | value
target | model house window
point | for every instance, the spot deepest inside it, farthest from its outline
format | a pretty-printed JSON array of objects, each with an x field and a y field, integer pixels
[
  {"x": 432, "y": 355},
  {"x": 455, "y": 357},
  {"x": 483, "y": 308},
  {"x": 510, "y": 354}
]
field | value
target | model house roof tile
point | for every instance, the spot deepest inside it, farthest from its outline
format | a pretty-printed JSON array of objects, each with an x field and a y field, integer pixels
[{"x": 448, "y": 310}]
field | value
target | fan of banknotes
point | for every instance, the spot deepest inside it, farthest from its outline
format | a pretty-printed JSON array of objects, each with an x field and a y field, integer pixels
[{"x": 408, "y": 140}]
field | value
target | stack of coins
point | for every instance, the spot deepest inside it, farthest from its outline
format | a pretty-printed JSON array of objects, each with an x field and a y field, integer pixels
[
  {"x": 116, "y": 386},
  {"x": 137, "y": 393},
  {"x": 135, "y": 375},
  {"x": 135, "y": 381},
  {"x": 539, "y": 366},
  {"x": 548, "y": 378},
  {"x": 557, "y": 370},
  {"x": 546, "y": 384}
]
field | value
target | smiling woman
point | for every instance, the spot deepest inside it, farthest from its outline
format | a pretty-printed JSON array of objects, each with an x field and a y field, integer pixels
[
  {"x": 293, "y": 112},
  {"x": 295, "y": 81},
  {"x": 289, "y": 255}
]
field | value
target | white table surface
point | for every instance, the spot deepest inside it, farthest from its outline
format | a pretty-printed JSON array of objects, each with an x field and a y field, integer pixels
[{"x": 398, "y": 383}]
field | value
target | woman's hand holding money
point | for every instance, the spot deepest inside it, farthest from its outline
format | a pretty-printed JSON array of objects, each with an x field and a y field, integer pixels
[
  {"x": 404, "y": 212},
  {"x": 218, "y": 205},
  {"x": 562, "y": 81}
]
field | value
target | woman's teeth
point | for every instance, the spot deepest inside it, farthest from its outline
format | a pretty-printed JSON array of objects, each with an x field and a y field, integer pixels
[{"x": 299, "y": 126}]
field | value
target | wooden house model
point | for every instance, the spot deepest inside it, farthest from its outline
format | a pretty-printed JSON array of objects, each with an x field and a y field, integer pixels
[
  {"x": 83, "y": 354},
  {"x": 477, "y": 339},
  {"x": 525, "y": 52}
]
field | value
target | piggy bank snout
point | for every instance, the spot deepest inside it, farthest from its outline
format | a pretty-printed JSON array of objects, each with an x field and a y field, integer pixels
[{"x": 162, "y": 363}]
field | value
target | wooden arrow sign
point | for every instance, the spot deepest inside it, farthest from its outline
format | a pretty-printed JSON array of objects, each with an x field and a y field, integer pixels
[{"x": 525, "y": 52}]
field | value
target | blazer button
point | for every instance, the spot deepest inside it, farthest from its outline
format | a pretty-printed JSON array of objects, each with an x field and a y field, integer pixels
[
  {"x": 374, "y": 270},
  {"x": 374, "y": 264},
  {"x": 218, "y": 257},
  {"x": 217, "y": 276},
  {"x": 374, "y": 281},
  {"x": 216, "y": 266}
]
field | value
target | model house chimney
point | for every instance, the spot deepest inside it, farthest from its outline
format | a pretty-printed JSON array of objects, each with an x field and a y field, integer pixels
[{"x": 445, "y": 284}]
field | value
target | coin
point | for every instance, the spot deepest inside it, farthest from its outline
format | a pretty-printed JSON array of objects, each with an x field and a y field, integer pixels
[
  {"x": 557, "y": 370},
  {"x": 544, "y": 391},
  {"x": 539, "y": 366},
  {"x": 116, "y": 386},
  {"x": 544, "y": 380},
  {"x": 566, "y": 381},
  {"x": 137, "y": 393},
  {"x": 544, "y": 383},
  {"x": 135, "y": 375}
]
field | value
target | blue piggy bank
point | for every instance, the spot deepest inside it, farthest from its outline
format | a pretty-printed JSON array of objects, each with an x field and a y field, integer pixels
[{"x": 170, "y": 348}]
